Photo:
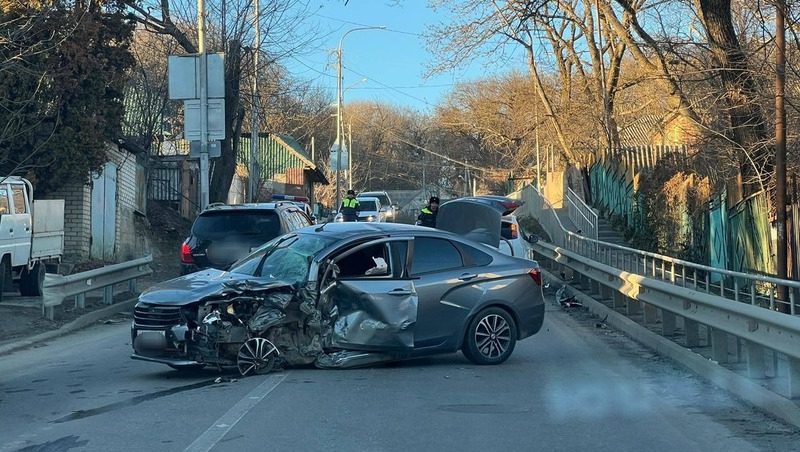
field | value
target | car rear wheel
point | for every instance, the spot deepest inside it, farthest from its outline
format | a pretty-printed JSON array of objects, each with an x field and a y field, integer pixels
[
  {"x": 31, "y": 283},
  {"x": 5, "y": 277},
  {"x": 491, "y": 337}
]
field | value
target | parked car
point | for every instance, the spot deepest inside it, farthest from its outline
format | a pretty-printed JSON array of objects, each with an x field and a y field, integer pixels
[
  {"x": 371, "y": 209},
  {"x": 342, "y": 295},
  {"x": 223, "y": 234},
  {"x": 489, "y": 219},
  {"x": 389, "y": 208},
  {"x": 31, "y": 236},
  {"x": 299, "y": 201}
]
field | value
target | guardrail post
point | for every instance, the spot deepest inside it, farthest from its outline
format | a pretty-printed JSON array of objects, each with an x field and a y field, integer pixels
[
  {"x": 719, "y": 346},
  {"x": 667, "y": 323},
  {"x": 132, "y": 286},
  {"x": 632, "y": 306},
  {"x": 754, "y": 353},
  {"x": 650, "y": 314},
  {"x": 80, "y": 301},
  {"x": 605, "y": 292},
  {"x": 793, "y": 375},
  {"x": 108, "y": 294},
  {"x": 619, "y": 299},
  {"x": 692, "y": 331},
  {"x": 595, "y": 288}
]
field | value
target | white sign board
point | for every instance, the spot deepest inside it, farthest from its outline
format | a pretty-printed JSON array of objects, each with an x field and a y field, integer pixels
[
  {"x": 214, "y": 149},
  {"x": 335, "y": 159},
  {"x": 216, "y": 119},
  {"x": 184, "y": 76}
]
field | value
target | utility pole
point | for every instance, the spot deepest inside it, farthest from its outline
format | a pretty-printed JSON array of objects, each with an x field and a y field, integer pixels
[
  {"x": 780, "y": 142},
  {"x": 201, "y": 48},
  {"x": 339, "y": 124},
  {"x": 254, "y": 138},
  {"x": 349, "y": 155},
  {"x": 339, "y": 107},
  {"x": 466, "y": 178},
  {"x": 538, "y": 161},
  {"x": 423, "y": 175}
]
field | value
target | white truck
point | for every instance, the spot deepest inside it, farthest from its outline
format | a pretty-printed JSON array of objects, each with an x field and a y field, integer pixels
[{"x": 31, "y": 236}]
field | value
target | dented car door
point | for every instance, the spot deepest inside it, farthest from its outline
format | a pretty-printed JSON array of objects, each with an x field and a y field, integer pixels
[{"x": 376, "y": 306}]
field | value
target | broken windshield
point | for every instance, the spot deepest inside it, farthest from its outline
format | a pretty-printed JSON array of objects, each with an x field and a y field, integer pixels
[{"x": 285, "y": 258}]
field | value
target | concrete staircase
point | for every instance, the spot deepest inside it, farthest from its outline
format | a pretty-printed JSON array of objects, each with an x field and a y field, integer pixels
[{"x": 606, "y": 233}]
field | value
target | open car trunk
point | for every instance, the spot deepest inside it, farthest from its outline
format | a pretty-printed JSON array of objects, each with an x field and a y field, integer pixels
[{"x": 476, "y": 218}]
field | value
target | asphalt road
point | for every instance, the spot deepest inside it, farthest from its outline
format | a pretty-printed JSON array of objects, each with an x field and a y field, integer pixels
[{"x": 571, "y": 387}]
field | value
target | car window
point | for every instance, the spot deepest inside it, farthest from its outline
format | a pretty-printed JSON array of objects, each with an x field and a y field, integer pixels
[
  {"x": 367, "y": 205},
  {"x": 432, "y": 255},
  {"x": 474, "y": 256},
  {"x": 372, "y": 261},
  {"x": 18, "y": 195},
  {"x": 4, "y": 205},
  {"x": 292, "y": 221},
  {"x": 508, "y": 230},
  {"x": 262, "y": 224}
]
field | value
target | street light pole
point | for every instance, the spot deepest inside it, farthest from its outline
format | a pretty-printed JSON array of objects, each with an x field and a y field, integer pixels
[
  {"x": 201, "y": 48},
  {"x": 339, "y": 106}
]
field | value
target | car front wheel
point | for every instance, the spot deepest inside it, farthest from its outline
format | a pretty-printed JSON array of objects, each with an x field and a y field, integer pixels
[{"x": 491, "y": 337}]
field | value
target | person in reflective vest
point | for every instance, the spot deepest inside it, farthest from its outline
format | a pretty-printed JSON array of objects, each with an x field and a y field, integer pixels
[
  {"x": 427, "y": 216},
  {"x": 349, "y": 208}
]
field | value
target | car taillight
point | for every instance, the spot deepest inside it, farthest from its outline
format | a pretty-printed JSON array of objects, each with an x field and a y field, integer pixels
[
  {"x": 186, "y": 254},
  {"x": 536, "y": 275}
]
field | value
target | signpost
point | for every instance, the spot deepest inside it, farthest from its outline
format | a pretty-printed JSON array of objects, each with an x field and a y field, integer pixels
[{"x": 199, "y": 80}]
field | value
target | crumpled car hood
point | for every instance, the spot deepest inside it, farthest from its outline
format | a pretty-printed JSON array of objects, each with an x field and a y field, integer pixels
[{"x": 201, "y": 285}]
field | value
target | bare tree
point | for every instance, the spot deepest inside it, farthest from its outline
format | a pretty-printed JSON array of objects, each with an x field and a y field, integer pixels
[{"x": 282, "y": 36}]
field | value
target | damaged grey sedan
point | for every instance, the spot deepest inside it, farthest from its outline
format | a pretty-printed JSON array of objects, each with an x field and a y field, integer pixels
[{"x": 344, "y": 295}]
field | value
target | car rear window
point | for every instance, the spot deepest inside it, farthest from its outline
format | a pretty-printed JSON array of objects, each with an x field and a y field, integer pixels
[
  {"x": 367, "y": 205},
  {"x": 262, "y": 224},
  {"x": 508, "y": 230},
  {"x": 382, "y": 198}
]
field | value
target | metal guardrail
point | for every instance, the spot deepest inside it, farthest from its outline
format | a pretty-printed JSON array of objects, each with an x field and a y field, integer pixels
[
  {"x": 58, "y": 288},
  {"x": 758, "y": 290},
  {"x": 728, "y": 302},
  {"x": 583, "y": 216}
]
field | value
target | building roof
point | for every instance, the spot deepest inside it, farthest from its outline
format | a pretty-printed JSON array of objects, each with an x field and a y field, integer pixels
[{"x": 640, "y": 132}]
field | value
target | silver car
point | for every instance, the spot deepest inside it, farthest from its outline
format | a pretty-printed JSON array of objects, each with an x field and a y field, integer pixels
[{"x": 344, "y": 295}]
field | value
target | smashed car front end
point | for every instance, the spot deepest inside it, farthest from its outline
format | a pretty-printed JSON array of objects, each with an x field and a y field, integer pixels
[{"x": 214, "y": 330}]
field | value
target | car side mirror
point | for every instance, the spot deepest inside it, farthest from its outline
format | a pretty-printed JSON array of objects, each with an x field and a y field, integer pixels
[
  {"x": 384, "y": 209},
  {"x": 532, "y": 238}
]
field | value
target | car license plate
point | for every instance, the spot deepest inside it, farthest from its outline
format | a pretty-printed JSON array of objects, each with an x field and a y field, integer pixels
[{"x": 161, "y": 332}]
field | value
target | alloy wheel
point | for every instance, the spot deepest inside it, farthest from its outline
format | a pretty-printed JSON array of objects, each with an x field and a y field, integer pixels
[
  {"x": 492, "y": 336},
  {"x": 256, "y": 356}
]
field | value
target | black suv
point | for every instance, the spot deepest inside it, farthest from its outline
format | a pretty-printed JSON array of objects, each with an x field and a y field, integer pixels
[{"x": 223, "y": 234}]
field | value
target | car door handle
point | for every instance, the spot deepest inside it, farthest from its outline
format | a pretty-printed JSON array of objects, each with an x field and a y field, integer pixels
[
  {"x": 399, "y": 292},
  {"x": 467, "y": 276}
]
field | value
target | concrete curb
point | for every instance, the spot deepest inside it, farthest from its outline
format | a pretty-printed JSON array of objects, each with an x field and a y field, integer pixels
[
  {"x": 75, "y": 325},
  {"x": 753, "y": 393}
]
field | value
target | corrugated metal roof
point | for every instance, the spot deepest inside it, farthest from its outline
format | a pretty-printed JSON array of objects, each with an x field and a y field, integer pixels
[{"x": 640, "y": 132}]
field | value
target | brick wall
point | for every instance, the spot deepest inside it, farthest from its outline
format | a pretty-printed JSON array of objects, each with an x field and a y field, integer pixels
[
  {"x": 77, "y": 219},
  {"x": 78, "y": 213},
  {"x": 128, "y": 244}
]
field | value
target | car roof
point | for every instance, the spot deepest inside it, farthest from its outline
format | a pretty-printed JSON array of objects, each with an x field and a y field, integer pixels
[
  {"x": 248, "y": 206},
  {"x": 368, "y": 198}
]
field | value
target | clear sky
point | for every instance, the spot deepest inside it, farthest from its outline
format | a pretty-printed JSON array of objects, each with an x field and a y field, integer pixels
[{"x": 393, "y": 61}]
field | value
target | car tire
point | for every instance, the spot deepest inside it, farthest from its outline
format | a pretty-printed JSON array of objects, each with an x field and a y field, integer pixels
[
  {"x": 491, "y": 337},
  {"x": 5, "y": 277},
  {"x": 31, "y": 283}
]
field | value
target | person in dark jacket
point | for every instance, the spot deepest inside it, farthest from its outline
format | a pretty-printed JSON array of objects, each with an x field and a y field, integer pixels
[
  {"x": 349, "y": 208},
  {"x": 427, "y": 216}
]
